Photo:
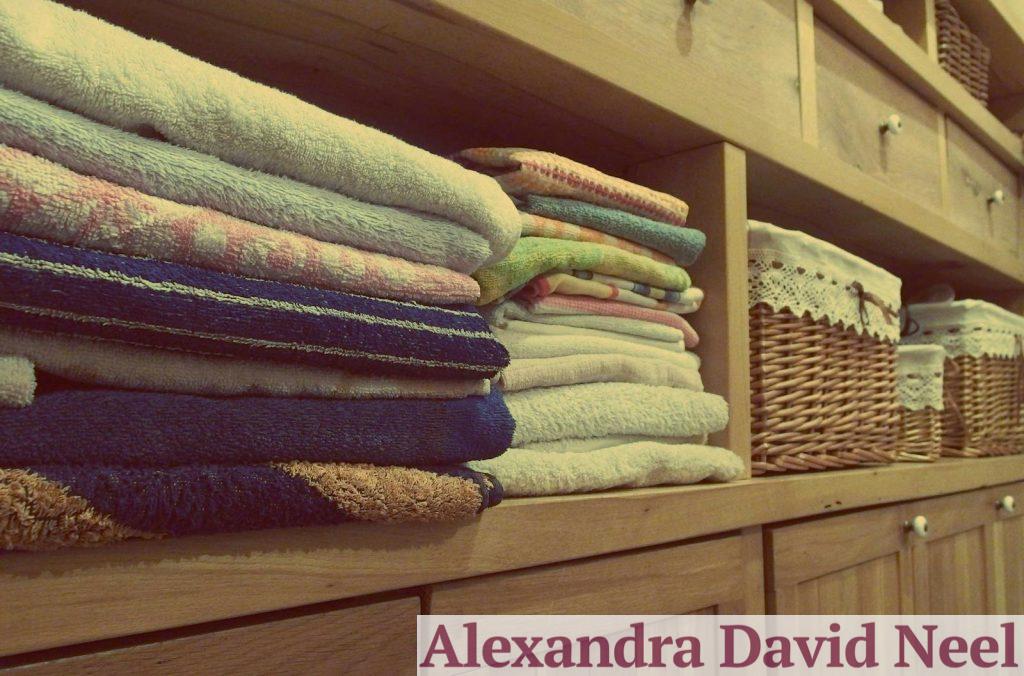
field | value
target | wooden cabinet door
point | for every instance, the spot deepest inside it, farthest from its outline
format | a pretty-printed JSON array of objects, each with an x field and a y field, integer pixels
[
  {"x": 719, "y": 576},
  {"x": 850, "y": 564},
  {"x": 1008, "y": 550}
]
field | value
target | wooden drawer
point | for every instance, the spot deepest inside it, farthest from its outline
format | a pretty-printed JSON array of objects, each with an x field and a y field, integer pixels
[
  {"x": 746, "y": 49},
  {"x": 379, "y": 638},
  {"x": 855, "y": 97},
  {"x": 974, "y": 177},
  {"x": 721, "y": 576}
]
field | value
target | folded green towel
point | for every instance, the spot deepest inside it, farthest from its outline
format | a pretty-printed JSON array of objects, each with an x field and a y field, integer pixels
[
  {"x": 533, "y": 256},
  {"x": 682, "y": 244}
]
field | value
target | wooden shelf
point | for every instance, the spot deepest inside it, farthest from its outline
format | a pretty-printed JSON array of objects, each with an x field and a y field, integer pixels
[
  {"x": 1000, "y": 24},
  {"x": 60, "y": 598}
]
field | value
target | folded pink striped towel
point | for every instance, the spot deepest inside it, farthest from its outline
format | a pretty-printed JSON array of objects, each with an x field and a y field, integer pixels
[
  {"x": 581, "y": 305},
  {"x": 540, "y": 226},
  {"x": 564, "y": 284},
  {"x": 41, "y": 199},
  {"x": 521, "y": 171}
]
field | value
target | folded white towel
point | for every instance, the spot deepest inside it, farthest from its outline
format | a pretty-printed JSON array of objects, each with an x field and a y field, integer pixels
[
  {"x": 525, "y": 374},
  {"x": 597, "y": 443},
  {"x": 528, "y": 346},
  {"x": 81, "y": 63},
  {"x": 502, "y": 313},
  {"x": 517, "y": 326},
  {"x": 529, "y": 472},
  {"x": 602, "y": 409},
  {"x": 17, "y": 381}
]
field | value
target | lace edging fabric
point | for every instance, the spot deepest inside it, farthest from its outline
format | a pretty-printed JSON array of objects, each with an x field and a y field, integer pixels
[
  {"x": 919, "y": 381},
  {"x": 970, "y": 328}
]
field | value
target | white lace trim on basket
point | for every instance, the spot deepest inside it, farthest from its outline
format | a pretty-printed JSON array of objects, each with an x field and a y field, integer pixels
[
  {"x": 970, "y": 328},
  {"x": 919, "y": 376}
]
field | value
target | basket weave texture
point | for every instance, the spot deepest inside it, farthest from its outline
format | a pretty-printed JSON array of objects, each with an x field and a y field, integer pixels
[
  {"x": 920, "y": 435},
  {"x": 984, "y": 404},
  {"x": 962, "y": 54}
]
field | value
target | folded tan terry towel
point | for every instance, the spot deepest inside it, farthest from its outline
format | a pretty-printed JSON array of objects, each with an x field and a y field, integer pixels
[
  {"x": 17, "y": 381},
  {"x": 524, "y": 374}
]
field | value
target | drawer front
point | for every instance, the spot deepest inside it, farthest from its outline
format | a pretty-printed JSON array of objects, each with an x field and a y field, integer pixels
[
  {"x": 720, "y": 576},
  {"x": 746, "y": 49},
  {"x": 856, "y": 96},
  {"x": 378, "y": 638},
  {"x": 974, "y": 178}
]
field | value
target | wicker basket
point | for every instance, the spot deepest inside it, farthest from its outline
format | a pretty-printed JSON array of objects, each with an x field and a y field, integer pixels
[
  {"x": 962, "y": 53},
  {"x": 822, "y": 355},
  {"x": 919, "y": 388},
  {"x": 983, "y": 376}
]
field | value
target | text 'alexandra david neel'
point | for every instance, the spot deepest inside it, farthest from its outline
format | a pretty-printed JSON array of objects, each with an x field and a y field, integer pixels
[{"x": 452, "y": 644}]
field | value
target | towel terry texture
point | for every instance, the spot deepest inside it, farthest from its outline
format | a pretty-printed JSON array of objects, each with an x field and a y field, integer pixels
[
  {"x": 68, "y": 426},
  {"x": 529, "y": 472},
  {"x": 602, "y": 409},
  {"x": 520, "y": 328},
  {"x": 563, "y": 284},
  {"x": 538, "y": 226},
  {"x": 502, "y": 313},
  {"x": 684, "y": 245},
  {"x": 587, "y": 445},
  {"x": 63, "y": 289},
  {"x": 82, "y": 63},
  {"x": 41, "y": 199},
  {"x": 531, "y": 346},
  {"x": 17, "y": 381},
  {"x": 525, "y": 374},
  {"x": 581, "y": 305},
  {"x": 522, "y": 171},
  {"x": 691, "y": 295},
  {"x": 188, "y": 177},
  {"x": 52, "y": 506},
  {"x": 533, "y": 256},
  {"x": 137, "y": 367}
]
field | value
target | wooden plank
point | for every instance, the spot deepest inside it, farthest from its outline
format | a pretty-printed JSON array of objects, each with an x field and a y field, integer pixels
[
  {"x": 713, "y": 180},
  {"x": 379, "y": 638},
  {"x": 1000, "y": 25},
  {"x": 917, "y": 19},
  {"x": 808, "y": 72},
  {"x": 60, "y": 598}
]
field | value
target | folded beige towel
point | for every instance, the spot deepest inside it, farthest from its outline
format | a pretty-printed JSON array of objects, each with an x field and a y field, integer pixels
[
  {"x": 525, "y": 346},
  {"x": 129, "y": 366},
  {"x": 502, "y": 313},
  {"x": 524, "y": 374},
  {"x": 597, "y": 443},
  {"x": 17, "y": 381},
  {"x": 537, "y": 329}
]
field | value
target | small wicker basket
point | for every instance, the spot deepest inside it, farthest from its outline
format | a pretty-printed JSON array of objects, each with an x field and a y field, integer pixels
[
  {"x": 983, "y": 379},
  {"x": 962, "y": 54},
  {"x": 823, "y": 329},
  {"x": 919, "y": 387}
]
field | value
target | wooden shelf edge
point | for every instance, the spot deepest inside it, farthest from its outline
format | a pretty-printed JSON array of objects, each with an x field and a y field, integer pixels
[{"x": 62, "y": 598}]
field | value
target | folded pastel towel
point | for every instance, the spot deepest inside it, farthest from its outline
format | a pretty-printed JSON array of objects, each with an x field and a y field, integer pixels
[
  {"x": 153, "y": 429},
  {"x": 581, "y": 305},
  {"x": 585, "y": 445},
  {"x": 683, "y": 245},
  {"x": 538, "y": 226},
  {"x": 529, "y": 472},
  {"x": 525, "y": 374},
  {"x": 17, "y": 381},
  {"x": 527, "y": 346},
  {"x": 188, "y": 177},
  {"x": 534, "y": 256},
  {"x": 41, "y": 199},
  {"x": 521, "y": 327},
  {"x": 602, "y": 409},
  {"x": 102, "y": 71},
  {"x": 689, "y": 296},
  {"x": 563, "y": 284},
  {"x": 137, "y": 367},
  {"x": 63, "y": 289},
  {"x": 522, "y": 171},
  {"x": 49, "y": 507},
  {"x": 502, "y": 313}
]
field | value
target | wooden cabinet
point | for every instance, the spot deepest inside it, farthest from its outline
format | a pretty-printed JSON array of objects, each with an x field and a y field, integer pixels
[
  {"x": 378, "y": 638},
  {"x": 718, "y": 576},
  {"x": 965, "y": 557}
]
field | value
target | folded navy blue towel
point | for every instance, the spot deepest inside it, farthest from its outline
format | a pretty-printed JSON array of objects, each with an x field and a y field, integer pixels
[
  {"x": 72, "y": 290},
  {"x": 154, "y": 429}
]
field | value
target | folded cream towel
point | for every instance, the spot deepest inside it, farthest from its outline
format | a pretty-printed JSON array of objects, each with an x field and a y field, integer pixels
[
  {"x": 516, "y": 326},
  {"x": 525, "y": 374},
  {"x": 17, "y": 381},
  {"x": 185, "y": 176},
  {"x": 525, "y": 346},
  {"x": 529, "y": 472},
  {"x": 597, "y": 443},
  {"x": 84, "y": 64},
  {"x": 601, "y": 409},
  {"x": 136, "y": 367},
  {"x": 500, "y": 314}
]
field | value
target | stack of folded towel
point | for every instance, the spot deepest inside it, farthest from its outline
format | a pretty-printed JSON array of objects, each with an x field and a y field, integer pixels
[
  {"x": 602, "y": 384},
  {"x": 223, "y": 308}
]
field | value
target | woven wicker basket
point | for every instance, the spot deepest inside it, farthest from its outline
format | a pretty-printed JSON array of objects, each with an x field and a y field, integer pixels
[
  {"x": 919, "y": 370},
  {"x": 983, "y": 379},
  {"x": 823, "y": 384},
  {"x": 962, "y": 53}
]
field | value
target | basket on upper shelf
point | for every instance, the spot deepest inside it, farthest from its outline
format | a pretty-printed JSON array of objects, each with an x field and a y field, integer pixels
[
  {"x": 919, "y": 389},
  {"x": 983, "y": 380},
  {"x": 962, "y": 54},
  {"x": 823, "y": 331}
]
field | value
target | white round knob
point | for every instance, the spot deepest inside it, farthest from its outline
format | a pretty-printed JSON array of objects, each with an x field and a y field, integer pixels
[
  {"x": 998, "y": 197},
  {"x": 1007, "y": 504},
  {"x": 918, "y": 525},
  {"x": 892, "y": 125}
]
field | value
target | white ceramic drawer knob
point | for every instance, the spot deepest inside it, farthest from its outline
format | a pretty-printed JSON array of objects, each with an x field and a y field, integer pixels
[
  {"x": 997, "y": 198},
  {"x": 1007, "y": 504},
  {"x": 918, "y": 526},
  {"x": 892, "y": 125}
]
